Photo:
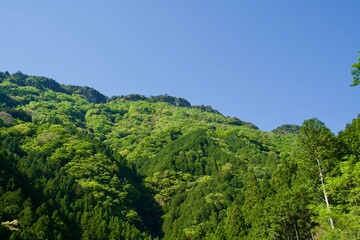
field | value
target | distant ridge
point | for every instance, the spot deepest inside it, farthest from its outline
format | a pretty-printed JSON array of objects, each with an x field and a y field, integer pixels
[{"x": 94, "y": 96}]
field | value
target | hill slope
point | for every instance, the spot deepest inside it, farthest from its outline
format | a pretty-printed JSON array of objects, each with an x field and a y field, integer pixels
[{"x": 78, "y": 165}]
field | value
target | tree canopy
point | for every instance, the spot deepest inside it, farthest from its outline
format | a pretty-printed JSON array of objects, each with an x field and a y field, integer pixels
[{"x": 75, "y": 164}]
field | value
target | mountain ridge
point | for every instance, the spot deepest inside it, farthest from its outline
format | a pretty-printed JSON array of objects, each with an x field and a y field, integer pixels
[
  {"x": 75, "y": 164},
  {"x": 94, "y": 96}
]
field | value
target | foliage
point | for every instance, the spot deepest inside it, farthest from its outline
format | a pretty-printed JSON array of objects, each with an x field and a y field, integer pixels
[
  {"x": 355, "y": 71},
  {"x": 77, "y": 165},
  {"x": 287, "y": 129}
]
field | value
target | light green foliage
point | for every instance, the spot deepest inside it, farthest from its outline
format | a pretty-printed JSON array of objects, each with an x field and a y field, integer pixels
[
  {"x": 344, "y": 186},
  {"x": 77, "y": 165},
  {"x": 355, "y": 71}
]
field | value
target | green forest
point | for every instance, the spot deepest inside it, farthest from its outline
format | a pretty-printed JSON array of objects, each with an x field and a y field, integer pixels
[{"x": 75, "y": 164}]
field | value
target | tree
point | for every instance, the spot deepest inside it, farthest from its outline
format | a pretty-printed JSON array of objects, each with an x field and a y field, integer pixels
[
  {"x": 234, "y": 227},
  {"x": 318, "y": 153},
  {"x": 355, "y": 71},
  {"x": 252, "y": 208}
]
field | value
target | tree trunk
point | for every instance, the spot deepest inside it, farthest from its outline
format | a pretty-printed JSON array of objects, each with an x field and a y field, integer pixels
[
  {"x": 325, "y": 195},
  {"x": 296, "y": 231}
]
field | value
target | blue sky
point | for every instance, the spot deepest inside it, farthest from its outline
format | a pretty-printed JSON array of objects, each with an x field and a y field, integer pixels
[{"x": 266, "y": 62}]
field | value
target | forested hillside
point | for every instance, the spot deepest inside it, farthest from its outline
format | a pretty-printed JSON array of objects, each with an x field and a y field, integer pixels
[{"x": 75, "y": 164}]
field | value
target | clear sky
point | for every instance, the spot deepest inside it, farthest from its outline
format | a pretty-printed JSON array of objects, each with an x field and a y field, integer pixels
[{"x": 266, "y": 62}]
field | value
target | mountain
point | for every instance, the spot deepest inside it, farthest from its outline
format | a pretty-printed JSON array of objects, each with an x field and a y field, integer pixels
[{"x": 75, "y": 164}]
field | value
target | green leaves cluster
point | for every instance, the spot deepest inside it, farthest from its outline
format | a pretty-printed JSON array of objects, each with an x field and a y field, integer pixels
[{"x": 355, "y": 71}]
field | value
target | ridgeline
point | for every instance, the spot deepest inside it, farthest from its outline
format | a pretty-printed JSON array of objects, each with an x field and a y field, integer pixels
[{"x": 75, "y": 164}]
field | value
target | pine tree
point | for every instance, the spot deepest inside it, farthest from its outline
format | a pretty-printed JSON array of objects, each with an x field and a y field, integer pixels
[{"x": 318, "y": 151}]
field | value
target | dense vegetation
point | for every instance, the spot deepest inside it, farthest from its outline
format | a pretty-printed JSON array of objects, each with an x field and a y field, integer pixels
[{"x": 75, "y": 164}]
